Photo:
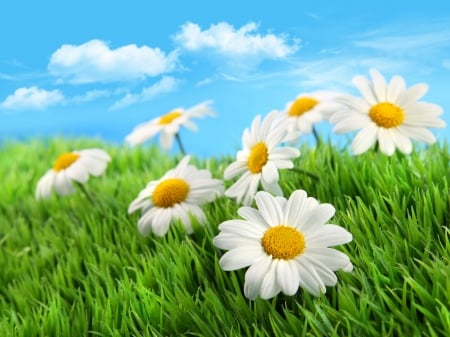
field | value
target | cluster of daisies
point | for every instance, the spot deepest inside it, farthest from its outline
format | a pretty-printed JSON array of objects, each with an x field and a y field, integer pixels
[{"x": 285, "y": 242}]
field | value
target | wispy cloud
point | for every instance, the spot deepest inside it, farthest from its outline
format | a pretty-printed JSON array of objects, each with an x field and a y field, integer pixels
[
  {"x": 94, "y": 61},
  {"x": 446, "y": 63},
  {"x": 165, "y": 85},
  {"x": 413, "y": 39},
  {"x": 229, "y": 42},
  {"x": 90, "y": 96},
  {"x": 32, "y": 98}
]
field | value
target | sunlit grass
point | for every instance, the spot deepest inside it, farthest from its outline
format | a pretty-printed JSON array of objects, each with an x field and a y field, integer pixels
[{"x": 72, "y": 268}]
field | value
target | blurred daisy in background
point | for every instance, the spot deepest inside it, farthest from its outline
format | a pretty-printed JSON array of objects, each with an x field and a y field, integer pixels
[
  {"x": 308, "y": 109},
  {"x": 286, "y": 244},
  {"x": 261, "y": 158},
  {"x": 71, "y": 166},
  {"x": 169, "y": 125},
  {"x": 176, "y": 196},
  {"x": 387, "y": 114}
]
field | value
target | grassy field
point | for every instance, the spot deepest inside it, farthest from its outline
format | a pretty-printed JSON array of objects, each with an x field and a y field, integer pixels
[{"x": 69, "y": 267}]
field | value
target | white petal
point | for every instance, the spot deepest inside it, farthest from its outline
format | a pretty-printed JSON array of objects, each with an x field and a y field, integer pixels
[
  {"x": 234, "y": 169},
  {"x": 282, "y": 153},
  {"x": 330, "y": 258},
  {"x": 241, "y": 257},
  {"x": 269, "y": 285},
  {"x": 413, "y": 94},
  {"x": 239, "y": 189},
  {"x": 44, "y": 185},
  {"x": 327, "y": 236},
  {"x": 228, "y": 241},
  {"x": 364, "y": 139},
  {"x": 288, "y": 277},
  {"x": 302, "y": 223},
  {"x": 77, "y": 172},
  {"x": 243, "y": 228},
  {"x": 418, "y": 133},
  {"x": 161, "y": 221},
  {"x": 269, "y": 209},
  {"x": 255, "y": 276},
  {"x": 270, "y": 173},
  {"x": 385, "y": 141},
  {"x": 365, "y": 87},
  {"x": 145, "y": 222},
  {"x": 353, "y": 103},
  {"x": 92, "y": 165},
  {"x": 354, "y": 122},
  {"x": 254, "y": 216},
  {"x": 326, "y": 275},
  {"x": 293, "y": 208},
  {"x": 139, "y": 203},
  {"x": 379, "y": 85},
  {"x": 395, "y": 89},
  {"x": 95, "y": 153},
  {"x": 142, "y": 134},
  {"x": 166, "y": 140},
  {"x": 308, "y": 278},
  {"x": 252, "y": 188},
  {"x": 318, "y": 216},
  {"x": 274, "y": 189},
  {"x": 62, "y": 184},
  {"x": 402, "y": 142}
]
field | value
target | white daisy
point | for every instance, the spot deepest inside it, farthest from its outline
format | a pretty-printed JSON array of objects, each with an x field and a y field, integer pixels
[
  {"x": 308, "y": 109},
  {"x": 169, "y": 125},
  {"x": 77, "y": 166},
  {"x": 261, "y": 158},
  {"x": 388, "y": 114},
  {"x": 177, "y": 195},
  {"x": 286, "y": 244}
]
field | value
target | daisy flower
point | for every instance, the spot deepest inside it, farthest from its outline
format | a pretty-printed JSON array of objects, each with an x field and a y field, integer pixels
[
  {"x": 388, "y": 114},
  {"x": 286, "y": 244},
  {"x": 261, "y": 158},
  {"x": 71, "y": 166},
  {"x": 169, "y": 125},
  {"x": 308, "y": 109},
  {"x": 177, "y": 195}
]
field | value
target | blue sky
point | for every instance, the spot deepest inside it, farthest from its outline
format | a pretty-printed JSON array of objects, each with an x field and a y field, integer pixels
[{"x": 98, "y": 68}]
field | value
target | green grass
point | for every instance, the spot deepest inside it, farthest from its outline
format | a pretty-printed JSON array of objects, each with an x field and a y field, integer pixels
[{"x": 71, "y": 268}]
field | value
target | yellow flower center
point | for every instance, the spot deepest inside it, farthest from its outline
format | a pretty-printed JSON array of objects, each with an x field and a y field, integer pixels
[
  {"x": 168, "y": 118},
  {"x": 283, "y": 242},
  {"x": 258, "y": 158},
  {"x": 302, "y": 105},
  {"x": 170, "y": 192},
  {"x": 387, "y": 115},
  {"x": 65, "y": 160}
]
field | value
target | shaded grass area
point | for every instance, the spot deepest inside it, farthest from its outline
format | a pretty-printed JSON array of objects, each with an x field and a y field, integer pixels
[{"x": 69, "y": 267}]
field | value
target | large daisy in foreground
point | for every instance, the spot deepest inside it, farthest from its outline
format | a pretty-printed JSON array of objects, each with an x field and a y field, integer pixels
[
  {"x": 177, "y": 195},
  {"x": 261, "y": 158},
  {"x": 286, "y": 244},
  {"x": 71, "y": 166},
  {"x": 169, "y": 125},
  {"x": 388, "y": 114}
]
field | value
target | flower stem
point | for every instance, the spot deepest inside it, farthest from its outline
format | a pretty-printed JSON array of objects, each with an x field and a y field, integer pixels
[
  {"x": 180, "y": 144},
  {"x": 316, "y": 136},
  {"x": 91, "y": 198},
  {"x": 309, "y": 174}
]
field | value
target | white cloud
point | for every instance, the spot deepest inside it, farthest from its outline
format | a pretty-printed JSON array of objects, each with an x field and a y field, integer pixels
[
  {"x": 32, "y": 98},
  {"x": 227, "y": 41},
  {"x": 94, "y": 61},
  {"x": 91, "y": 96},
  {"x": 165, "y": 85},
  {"x": 446, "y": 63},
  {"x": 406, "y": 43}
]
